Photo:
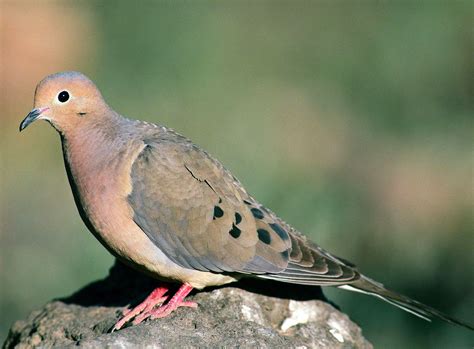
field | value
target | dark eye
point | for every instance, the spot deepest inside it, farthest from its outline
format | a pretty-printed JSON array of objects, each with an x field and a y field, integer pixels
[{"x": 63, "y": 96}]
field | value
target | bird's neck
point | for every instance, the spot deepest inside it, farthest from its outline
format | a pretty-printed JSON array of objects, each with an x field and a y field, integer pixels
[
  {"x": 92, "y": 149},
  {"x": 93, "y": 143}
]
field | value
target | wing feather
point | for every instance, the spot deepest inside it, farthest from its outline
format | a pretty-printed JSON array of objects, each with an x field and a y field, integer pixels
[{"x": 200, "y": 216}]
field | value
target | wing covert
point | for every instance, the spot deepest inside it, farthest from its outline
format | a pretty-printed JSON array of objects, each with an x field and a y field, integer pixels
[
  {"x": 202, "y": 218},
  {"x": 194, "y": 211}
]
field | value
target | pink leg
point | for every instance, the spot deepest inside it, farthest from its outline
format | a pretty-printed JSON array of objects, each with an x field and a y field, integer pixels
[
  {"x": 174, "y": 303},
  {"x": 156, "y": 297}
]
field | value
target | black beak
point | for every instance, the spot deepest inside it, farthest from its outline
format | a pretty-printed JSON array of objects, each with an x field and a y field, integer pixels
[{"x": 32, "y": 116}]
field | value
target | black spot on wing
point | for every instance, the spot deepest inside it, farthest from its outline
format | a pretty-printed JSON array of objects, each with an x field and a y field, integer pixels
[
  {"x": 234, "y": 232},
  {"x": 238, "y": 218},
  {"x": 218, "y": 213},
  {"x": 257, "y": 213},
  {"x": 247, "y": 202},
  {"x": 285, "y": 254},
  {"x": 264, "y": 236},
  {"x": 280, "y": 231}
]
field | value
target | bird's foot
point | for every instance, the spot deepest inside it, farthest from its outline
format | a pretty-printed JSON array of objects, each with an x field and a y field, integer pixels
[
  {"x": 157, "y": 296},
  {"x": 174, "y": 303},
  {"x": 147, "y": 309}
]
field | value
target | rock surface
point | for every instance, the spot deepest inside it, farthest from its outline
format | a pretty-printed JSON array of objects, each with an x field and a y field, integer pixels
[{"x": 248, "y": 314}]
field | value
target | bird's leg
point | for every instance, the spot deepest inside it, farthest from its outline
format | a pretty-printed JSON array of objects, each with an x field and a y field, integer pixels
[
  {"x": 175, "y": 302},
  {"x": 157, "y": 296}
]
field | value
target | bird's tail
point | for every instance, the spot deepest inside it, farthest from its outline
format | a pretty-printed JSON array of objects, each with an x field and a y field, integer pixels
[{"x": 373, "y": 288}]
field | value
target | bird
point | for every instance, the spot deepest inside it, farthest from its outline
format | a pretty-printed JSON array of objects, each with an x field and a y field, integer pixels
[{"x": 165, "y": 207}]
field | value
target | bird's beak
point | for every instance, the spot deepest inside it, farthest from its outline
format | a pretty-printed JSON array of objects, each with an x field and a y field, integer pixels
[{"x": 32, "y": 116}]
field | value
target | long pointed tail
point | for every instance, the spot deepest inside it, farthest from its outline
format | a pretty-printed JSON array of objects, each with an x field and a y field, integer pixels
[{"x": 373, "y": 288}]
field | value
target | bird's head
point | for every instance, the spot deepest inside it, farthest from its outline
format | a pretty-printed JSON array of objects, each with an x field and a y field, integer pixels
[{"x": 66, "y": 100}]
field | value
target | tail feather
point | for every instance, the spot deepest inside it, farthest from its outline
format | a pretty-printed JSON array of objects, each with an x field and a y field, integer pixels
[{"x": 373, "y": 288}]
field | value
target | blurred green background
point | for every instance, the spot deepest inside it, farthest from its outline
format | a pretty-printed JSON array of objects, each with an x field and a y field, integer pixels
[{"x": 351, "y": 120}]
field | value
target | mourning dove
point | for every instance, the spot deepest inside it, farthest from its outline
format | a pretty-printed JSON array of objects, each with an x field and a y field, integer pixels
[{"x": 164, "y": 206}]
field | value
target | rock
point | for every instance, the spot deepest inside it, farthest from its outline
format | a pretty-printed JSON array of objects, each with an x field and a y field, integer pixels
[{"x": 248, "y": 314}]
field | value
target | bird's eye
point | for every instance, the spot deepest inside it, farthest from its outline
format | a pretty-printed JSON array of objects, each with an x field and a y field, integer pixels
[{"x": 63, "y": 96}]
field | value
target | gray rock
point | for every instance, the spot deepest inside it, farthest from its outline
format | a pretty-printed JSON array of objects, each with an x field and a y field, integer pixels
[{"x": 249, "y": 314}]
